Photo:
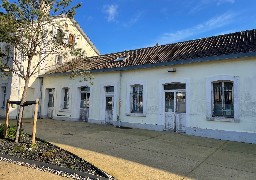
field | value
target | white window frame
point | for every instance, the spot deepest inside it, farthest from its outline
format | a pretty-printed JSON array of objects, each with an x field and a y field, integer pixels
[
  {"x": 116, "y": 99},
  {"x": 86, "y": 92},
  {"x": 130, "y": 86},
  {"x": 209, "y": 98}
]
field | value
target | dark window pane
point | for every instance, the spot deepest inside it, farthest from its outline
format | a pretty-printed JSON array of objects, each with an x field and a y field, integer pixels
[
  {"x": 223, "y": 104},
  {"x": 174, "y": 86},
  {"x": 109, "y": 88},
  {"x": 137, "y": 99},
  {"x": 85, "y": 88},
  {"x": 109, "y": 103},
  {"x": 169, "y": 101}
]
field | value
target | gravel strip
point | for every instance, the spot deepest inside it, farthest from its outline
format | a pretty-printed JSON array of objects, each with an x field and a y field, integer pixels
[{"x": 48, "y": 157}]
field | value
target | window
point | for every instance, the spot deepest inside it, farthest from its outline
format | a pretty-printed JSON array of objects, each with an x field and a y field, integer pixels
[
  {"x": 51, "y": 98},
  {"x": 3, "y": 96},
  {"x": 85, "y": 97},
  {"x": 136, "y": 98},
  {"x": 109, "y": 89},
  {"x": 66, "y": 98},
  {"x": 71, "y": 40},
  {"x": 223, "y": 99},
  {"x": 59, "y": 59},
  {"x": 59, "y": 36}
]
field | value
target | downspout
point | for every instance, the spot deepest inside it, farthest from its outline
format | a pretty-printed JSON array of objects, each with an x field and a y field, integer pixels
[{"x": 119, "y": 99}]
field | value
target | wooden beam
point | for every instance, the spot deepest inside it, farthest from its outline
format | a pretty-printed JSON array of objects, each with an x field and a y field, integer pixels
[{"x": 34, "y": 123}]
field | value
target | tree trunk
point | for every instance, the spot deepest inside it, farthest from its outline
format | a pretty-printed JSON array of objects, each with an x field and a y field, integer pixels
[{"x": 23, "y": 100}]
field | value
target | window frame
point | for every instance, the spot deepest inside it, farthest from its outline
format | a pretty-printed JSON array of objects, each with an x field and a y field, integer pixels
[
  {"x": 50, "y": 91},
  {"x": 67, "y": 95},
  {"x": 86, "y": 92},
  {"x": 129, "y": 101},
  {"x": 210, "y": 100},
  {"x": 222, "y": 99}
]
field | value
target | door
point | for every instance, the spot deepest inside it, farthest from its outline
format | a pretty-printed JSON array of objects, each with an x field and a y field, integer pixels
[
  {"x": 50, "y": 103},
  {"x": 84, "y": 104},
  {"x": 109, "y": 104},
  {"x": 109, "y": 109},
  {"x": 175, "y": 107}
]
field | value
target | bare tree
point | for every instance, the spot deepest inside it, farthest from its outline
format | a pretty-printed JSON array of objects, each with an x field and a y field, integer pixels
[{"x": 26, "y": 28}]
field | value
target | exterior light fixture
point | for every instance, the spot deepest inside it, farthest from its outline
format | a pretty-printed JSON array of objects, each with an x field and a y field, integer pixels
[{"x": 171, "y": 70}]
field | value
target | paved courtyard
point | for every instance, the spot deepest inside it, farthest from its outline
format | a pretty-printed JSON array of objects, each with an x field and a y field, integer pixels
[{"x": 142, "y": 154}]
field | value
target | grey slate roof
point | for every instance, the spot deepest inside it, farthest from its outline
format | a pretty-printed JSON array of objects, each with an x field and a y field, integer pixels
[{"x": 228, "y": 44}]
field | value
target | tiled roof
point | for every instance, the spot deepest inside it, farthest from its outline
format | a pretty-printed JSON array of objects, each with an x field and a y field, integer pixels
[{"x": 234, "y": 43}]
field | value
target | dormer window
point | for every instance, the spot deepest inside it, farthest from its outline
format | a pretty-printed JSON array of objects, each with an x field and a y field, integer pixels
[{"x": 121, "y": 58}]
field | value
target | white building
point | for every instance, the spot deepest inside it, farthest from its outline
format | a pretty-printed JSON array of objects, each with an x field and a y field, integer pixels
[
  {"x": 203, "y": 87},
  {"x": 12, "y": 87}
]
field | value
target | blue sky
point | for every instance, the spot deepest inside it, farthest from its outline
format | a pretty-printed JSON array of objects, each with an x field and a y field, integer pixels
[{"x": 118, "y": 25}]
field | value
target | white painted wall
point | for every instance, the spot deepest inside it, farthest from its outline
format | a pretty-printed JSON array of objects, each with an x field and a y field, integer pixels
[{"x": 195, "y": 75}]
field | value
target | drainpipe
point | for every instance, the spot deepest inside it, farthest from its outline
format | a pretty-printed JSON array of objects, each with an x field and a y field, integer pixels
[{"x": 119, "y": 100}]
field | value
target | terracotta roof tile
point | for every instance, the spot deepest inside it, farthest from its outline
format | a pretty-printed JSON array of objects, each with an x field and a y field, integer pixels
[{"x": 234, "y": 43}]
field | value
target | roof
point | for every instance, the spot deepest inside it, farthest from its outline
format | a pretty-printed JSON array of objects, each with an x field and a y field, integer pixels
[{"x": 233, "y": 45}]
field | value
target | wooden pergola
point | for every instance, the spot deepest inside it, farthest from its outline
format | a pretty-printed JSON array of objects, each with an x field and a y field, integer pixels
[{"x": 27, "y": 103}]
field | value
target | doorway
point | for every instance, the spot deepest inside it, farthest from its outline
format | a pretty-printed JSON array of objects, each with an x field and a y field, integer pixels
[
  {"x": 84, "y": 103},
  {"x": 109, "y": 104},
  {"x": 175, "y": 107},
  {"x": 50, "y": 103}
]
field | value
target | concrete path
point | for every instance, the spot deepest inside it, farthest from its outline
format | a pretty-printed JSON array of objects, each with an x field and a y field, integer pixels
[{"x": 142, "y": 154}]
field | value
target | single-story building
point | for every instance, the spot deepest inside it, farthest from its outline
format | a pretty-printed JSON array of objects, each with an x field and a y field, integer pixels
[{"x": 204, "y": 87}]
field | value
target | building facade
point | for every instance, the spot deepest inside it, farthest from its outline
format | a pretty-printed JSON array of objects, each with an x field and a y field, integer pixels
[
  {"x": 12, "y": 87},
  {"x": 203, "y": 87}
]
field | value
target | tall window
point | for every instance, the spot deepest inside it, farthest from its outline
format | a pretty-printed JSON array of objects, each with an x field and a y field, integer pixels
[
  {"x": 85, "y": 97},
  {"x": 59, "y": 59},
  {"x": 223, "y": 99},
  {"x": 71, "y": 40},
  {"x": 66, "y": 98},
  {"x": 59, "y": 36},
  {"x": 137, "y": 99},
  {"x": 4, "y": 96},
  {"x": 51, "y": 98}
]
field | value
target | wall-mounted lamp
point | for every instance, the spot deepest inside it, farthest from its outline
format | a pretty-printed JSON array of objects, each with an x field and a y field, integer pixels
[{"x": 171, "y": 70}]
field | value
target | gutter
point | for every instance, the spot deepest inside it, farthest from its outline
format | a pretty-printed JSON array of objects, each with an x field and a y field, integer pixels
[{"x": 170, "y": 63}]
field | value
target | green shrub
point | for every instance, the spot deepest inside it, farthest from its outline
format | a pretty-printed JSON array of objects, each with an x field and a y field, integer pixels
[{"x": 11, "y": 132}]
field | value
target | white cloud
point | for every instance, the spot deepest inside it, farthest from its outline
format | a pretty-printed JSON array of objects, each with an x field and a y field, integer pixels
[
  {"x": 111, "y": 12},
  {"x": 209, "y": 25}
]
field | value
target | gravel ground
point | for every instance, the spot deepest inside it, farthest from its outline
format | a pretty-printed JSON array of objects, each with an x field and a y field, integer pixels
[{"x": 46, "y": 153}]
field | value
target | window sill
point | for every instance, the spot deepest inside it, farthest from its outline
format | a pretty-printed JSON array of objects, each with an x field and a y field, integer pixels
[
  {"x": 221, "y": 119},
  {"x": 136, "y": 114}
]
